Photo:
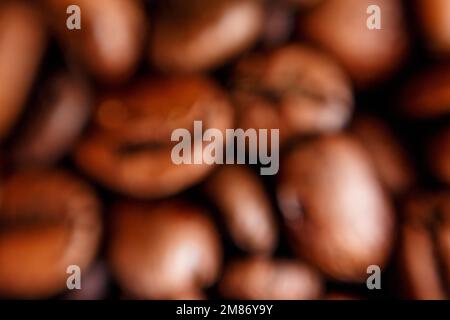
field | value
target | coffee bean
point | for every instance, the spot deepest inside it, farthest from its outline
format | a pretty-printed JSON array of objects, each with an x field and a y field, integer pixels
[
  {"x": 336, "y": 212},
  {"x": 425, "y": 246},
  {"x": 283, "y": 77},
  {"x": 434, "y": 16},
  {"x": 295, "y": 88},
  {"x": 163, "y": 250},
  {"x": 388, "y": 155},
  {"x": 426, "y": 95},
  {"x": 111, "y": 38},
  {"x": 185, "y": 31},
  {"x": 132, "y": 134},
  {"x": 61, "y": 112},
  {"x": 22, "y": 44},
  {"x": 340, "y": 27},
  {"x": 245, "y": 208},
  {"x": 270, "y": 279},
  {"x": 49, "y": 220}
]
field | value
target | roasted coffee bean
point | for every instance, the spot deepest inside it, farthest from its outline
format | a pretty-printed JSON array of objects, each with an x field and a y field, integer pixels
[
  {"x": 163, "y": 250},
  {"x": 245, "y": 208},
  {"x": 434, "y": 16},
  {"x": 49, "y": 220},
  {"x": 295, "y": 88},
  {"x": 439, "y": 155},
  {"x": 426, "y": 94},
  {"x": 335, "y": 209},
  {"x": 60, "y": 114},
  {"x": 270, "y": 279},
  {"x": 425, "y": 246},
  {"x": 22, "y": 43},
  {"x": 110, "y": 41},
  {"x": 132, "y": 135},
  {"x": 196, "y": 35},
  {"x": 340, "y": 27},
  {"x": 388, "y": 155}
]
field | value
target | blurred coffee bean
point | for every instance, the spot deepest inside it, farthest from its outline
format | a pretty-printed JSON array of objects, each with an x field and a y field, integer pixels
[
  {"x": 425, "y": 246},
  {"x": 270, "y": 279},
  {"x": 340, "y": 27},
  {"x": 23, "y": 40},
  {"x": 388, "y": 155},
  {"x": 439, "y": 155},
  {"x": 295, "y": 88},
  {"x": 245, "y": 208},
  {"x": 335, "y": 209},
  {"x": 427, "y": 95},
  {"x": 434, "y": 16},
  {"x": 132, "y": 134},
  {"x": 60, "y": 114},
  {"x": 197, "y": 35},
  {"x": 49, "y": 220},
  {"x": 162, "y": 250},
  {"x": 111, "y": 39}
]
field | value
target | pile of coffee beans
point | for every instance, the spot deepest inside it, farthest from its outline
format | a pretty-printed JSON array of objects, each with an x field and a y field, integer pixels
[{"x": 349, "y": 98}]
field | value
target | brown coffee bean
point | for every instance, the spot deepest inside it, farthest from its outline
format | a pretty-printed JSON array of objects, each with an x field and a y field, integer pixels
[
  {"x": 22, "y": 43},
  {"x": 61, "y": 112},
  {"x": 388, "y": 155},
  {"x": 162, "y": 250},
  {"x": 340, "y": 27},
  {"x": 49, "y": 220},
  {"x": 439, "y": 155},
  {"x": 245, "y": 208},
  {"x": 425, "y": 246},
  {"x": 336, "y": 212},
  {"x": 426, "y": 94},
  {"x": 265, "y": 279},
  {"x": 295, "y": 88},
  {"x": 132, "y": 134},
  {"x": 110, "y": 42},
  {"x": 196, "y": 35},
  {"x": 434, "y": 16}
]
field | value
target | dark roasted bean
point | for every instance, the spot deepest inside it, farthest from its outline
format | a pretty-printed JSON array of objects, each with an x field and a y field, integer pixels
[
  {"x": 335, "y": 209},
  {"x": 163, "y": 250},
  {"x": 245, "y": 208},
  {"x": 49, "y": 220}
]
